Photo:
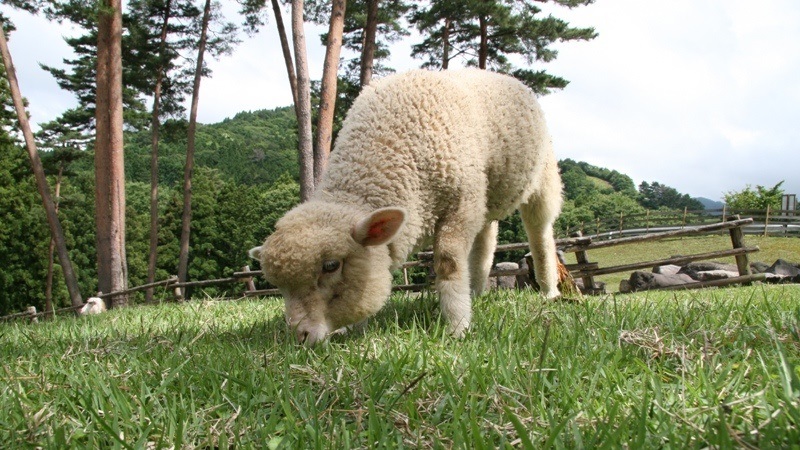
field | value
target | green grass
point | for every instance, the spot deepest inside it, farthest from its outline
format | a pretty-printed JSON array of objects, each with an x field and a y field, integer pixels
[
  {"x": 771, "y": 249},
  {"x": 713, "y": 368}
]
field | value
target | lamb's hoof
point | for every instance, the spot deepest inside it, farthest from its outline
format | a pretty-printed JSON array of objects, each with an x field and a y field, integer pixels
[{"x": 458, "y": 331}]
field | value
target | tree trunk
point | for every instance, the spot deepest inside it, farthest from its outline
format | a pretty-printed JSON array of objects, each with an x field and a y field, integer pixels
[
  {"x": 287, "y": 55},
  {"x": 483, "y": 49},
  {"x": 154, "y": 130},
  {"x": 368, "y": 48},
  {"x": 41, "y": 181},
  {"x": 48, "y": 290},
  {"x": 183, "y": 261},
  {"x": 303, "y": 106},
  {"x": 446, "y": 44},
  {"x": 112, "y": 268},
  {"x": 327, "y": 95}
]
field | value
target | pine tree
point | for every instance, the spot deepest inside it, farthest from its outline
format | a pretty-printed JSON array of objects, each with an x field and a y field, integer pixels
[{"x": 486, "y": 33}]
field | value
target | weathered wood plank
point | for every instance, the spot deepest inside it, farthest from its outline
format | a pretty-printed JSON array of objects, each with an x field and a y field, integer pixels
[
  {"x": 688, "y": 231},
  {"x": 737, "y": 238},
  {"x": 678, "y": 260},
  {"x": 166, "y": 282}
]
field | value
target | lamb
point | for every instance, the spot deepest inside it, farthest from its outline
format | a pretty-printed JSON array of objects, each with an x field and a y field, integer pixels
[
  {"x": 422, "y": 158},
  {"x": 94, "y": 305}
]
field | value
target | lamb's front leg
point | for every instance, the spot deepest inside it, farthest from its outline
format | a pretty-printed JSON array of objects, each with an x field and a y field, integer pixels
[{"x": 450, "y": 263}]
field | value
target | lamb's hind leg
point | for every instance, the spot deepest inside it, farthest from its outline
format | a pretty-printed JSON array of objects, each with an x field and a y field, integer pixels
[
  {"x": 538, "y": 215},
  {"x": 481, "y": 257}
]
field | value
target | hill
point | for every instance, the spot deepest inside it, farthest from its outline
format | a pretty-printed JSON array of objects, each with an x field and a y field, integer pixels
[
  {"x": 250, "y": 148},
  {"x": 710, "y": 204}
]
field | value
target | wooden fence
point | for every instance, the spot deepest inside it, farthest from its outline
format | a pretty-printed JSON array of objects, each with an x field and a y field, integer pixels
[
  {"x": 768, "y": 222},
  {"x": 580, "y": 245},
  {"x": 739, "y": 251}
]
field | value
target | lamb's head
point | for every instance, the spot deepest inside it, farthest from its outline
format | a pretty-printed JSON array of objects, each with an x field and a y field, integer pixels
[{"x": 331, "y": 263}]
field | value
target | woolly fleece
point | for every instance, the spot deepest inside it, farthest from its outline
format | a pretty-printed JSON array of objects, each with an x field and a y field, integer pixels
[{"x": 422, "y": 158}]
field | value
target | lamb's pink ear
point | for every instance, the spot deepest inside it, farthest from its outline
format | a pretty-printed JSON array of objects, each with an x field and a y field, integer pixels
[{"x": 380, "y": 227}]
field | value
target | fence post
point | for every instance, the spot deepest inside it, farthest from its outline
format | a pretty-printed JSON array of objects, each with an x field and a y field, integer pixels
[
  {"x": 685, "y": 210},
  {"x": 621, "y": 219},
  {"x": 647, "y": 221},
  {"x": 581, "y": 258},
  {"x": 724, "y": 211},
  {"x": 742, "y": 262},
  {"x": 766, "y": 222},
  {"x": 251, "y": 285}
]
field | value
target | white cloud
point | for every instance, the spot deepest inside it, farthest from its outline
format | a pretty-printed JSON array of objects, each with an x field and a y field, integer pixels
[{"x": 698, "y": 94}]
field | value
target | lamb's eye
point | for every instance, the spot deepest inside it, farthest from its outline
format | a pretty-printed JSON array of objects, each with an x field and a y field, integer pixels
[{"x": 330, "y": 266}]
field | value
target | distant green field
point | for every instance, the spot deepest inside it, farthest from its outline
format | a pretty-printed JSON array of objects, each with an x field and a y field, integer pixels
[
  {"x": 600, "y": 183},
  {"x": 771, "y": 249},
  {"x": 700, "y": 369}
]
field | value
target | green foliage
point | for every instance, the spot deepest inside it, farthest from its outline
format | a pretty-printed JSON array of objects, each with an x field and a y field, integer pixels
[
  {"x": 252, "y": 148},
  {"x": 700, "y": 369},
  {"x": 24, "y": 236},
  {"x": 656, "y": 196},
  {"x": 592, "y": 193},
  {"x": 512, "y": 28},
  {"x": 391, "y": 28},
  {"x": 142, "y": 61},
  {"x": 759, "y": 199}
]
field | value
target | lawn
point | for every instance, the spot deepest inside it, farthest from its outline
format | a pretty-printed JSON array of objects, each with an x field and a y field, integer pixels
[{"x": 713, "y": 368}]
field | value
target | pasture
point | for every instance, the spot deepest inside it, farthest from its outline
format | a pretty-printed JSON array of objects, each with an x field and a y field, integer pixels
[{"x": 715, "y": 368}]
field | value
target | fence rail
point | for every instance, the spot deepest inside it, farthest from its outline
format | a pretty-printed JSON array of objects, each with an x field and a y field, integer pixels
[{"x": 768, "y": 222}]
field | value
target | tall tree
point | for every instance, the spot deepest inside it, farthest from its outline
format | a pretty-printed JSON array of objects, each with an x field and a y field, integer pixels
[
  {"x": 216, "y": 42},
  {"x": 155, "y": 123},
  {"x": 44, "y": 190},
  {"x": 164, "y": 27},
  {"x": 303, "y": 105},
  {"x": 656, "y": 195},
  {"x": 375, "y": 22},
  {"x": 486, "y": 32},
  {"x": 368, "y": 48},
  {"x": 112, "y": 266},
  {"x": 183, "y": 262},
  {"x": 62, "y": 158},
  {"x": 327, "y": 97}
]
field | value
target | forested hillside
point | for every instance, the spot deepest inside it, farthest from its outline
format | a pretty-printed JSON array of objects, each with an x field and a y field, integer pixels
[
  {"x": 245, "y": 179},
  {"x": 251, "y": 148}
]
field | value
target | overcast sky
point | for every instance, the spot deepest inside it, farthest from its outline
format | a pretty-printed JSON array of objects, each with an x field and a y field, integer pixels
[{"x": 701, "y": 95}]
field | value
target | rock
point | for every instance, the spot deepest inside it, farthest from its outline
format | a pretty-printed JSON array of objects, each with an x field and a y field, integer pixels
[
  {"x": 598, "y": 288},
  {"x": 642, "y": 281},
  {"x": 783, "y": 268},
  {"x": 710, "y": 275},
  {"x": 506, "y": 281},
  {"x": 704, "y": 266},
  {"x": 758, "y": 267},
  {"x": 669, "y": 269}
]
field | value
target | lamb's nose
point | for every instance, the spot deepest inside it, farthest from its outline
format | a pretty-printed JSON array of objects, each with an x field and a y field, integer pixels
[{"x": 302, "y": 336}]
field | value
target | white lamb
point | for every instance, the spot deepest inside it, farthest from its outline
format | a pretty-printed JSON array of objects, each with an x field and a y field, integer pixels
[
  {"x": 94, "y": 305},
  {"x": 422, "y": 158}
]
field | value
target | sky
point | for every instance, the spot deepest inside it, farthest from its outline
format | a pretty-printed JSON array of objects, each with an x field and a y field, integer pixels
[{"x": 700, "y": 95}]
